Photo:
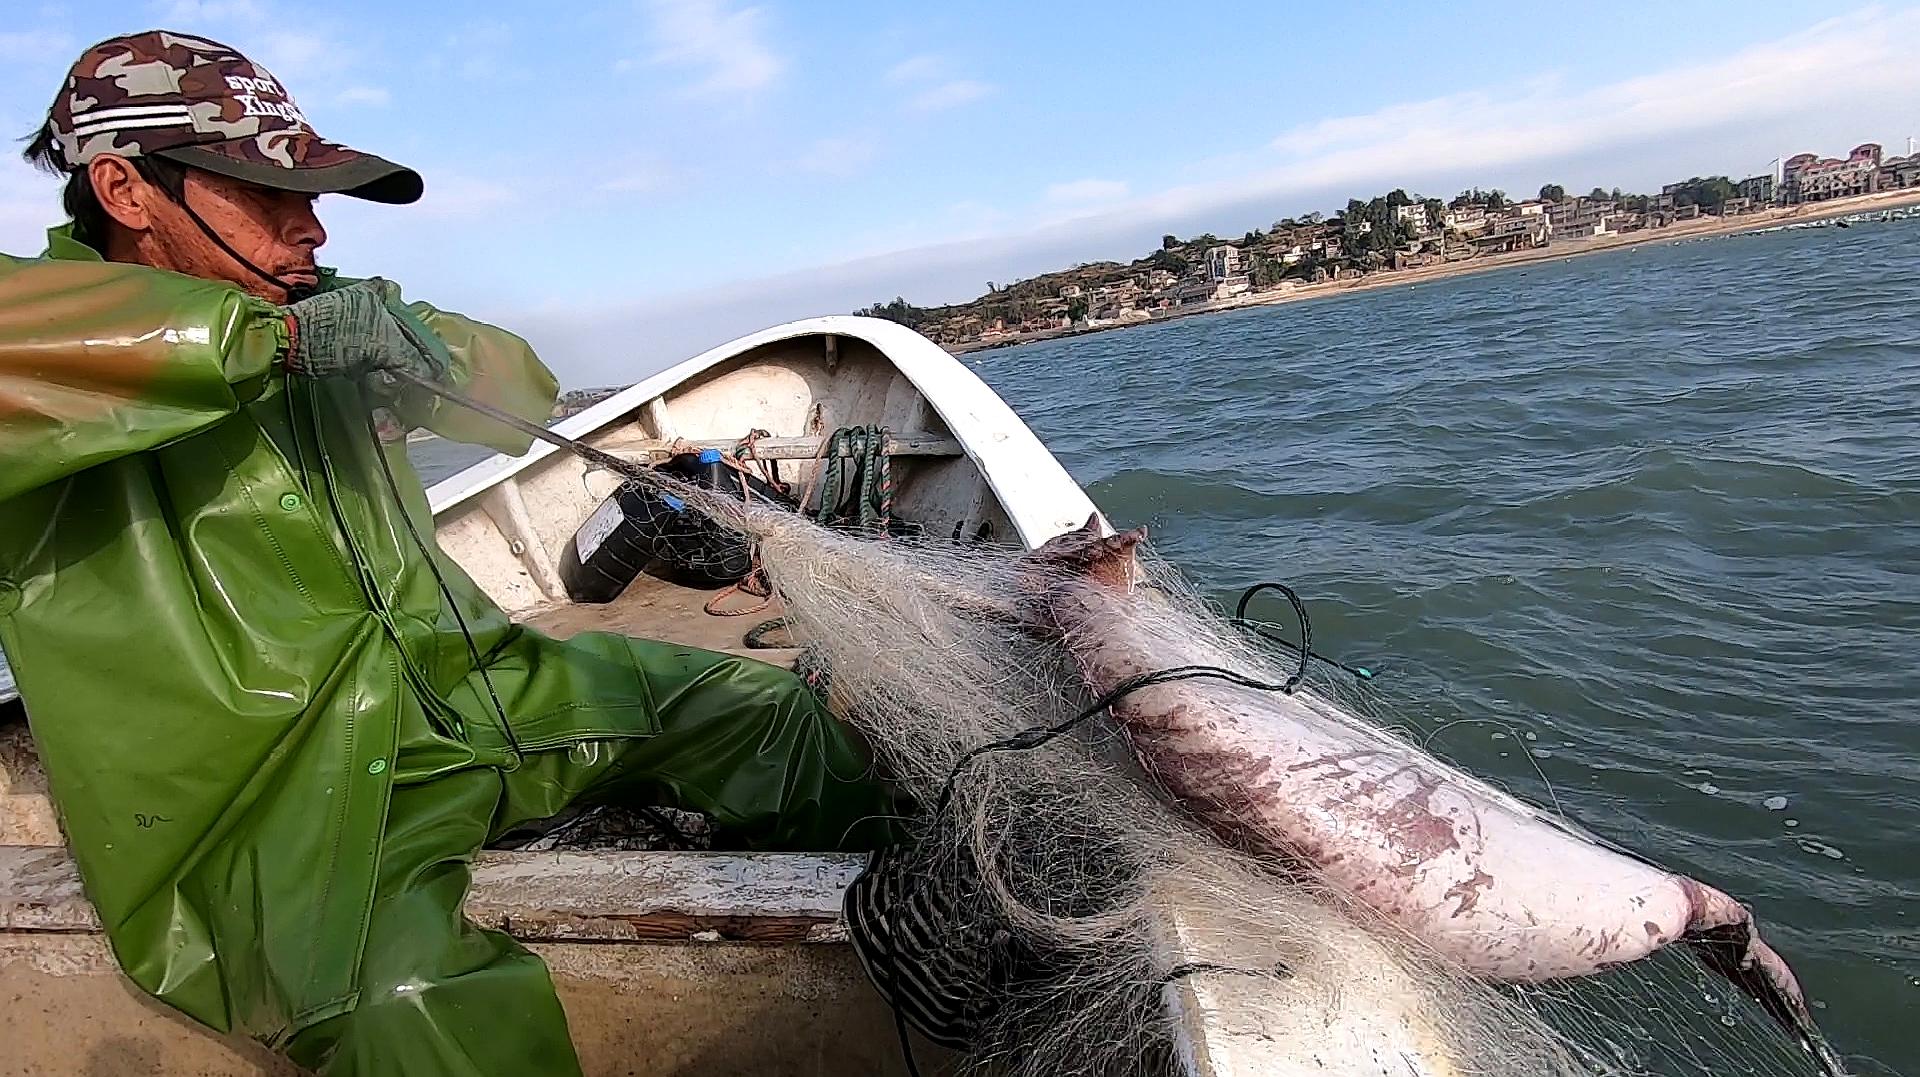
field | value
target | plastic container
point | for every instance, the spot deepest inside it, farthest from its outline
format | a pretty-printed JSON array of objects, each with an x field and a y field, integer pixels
[{"x": 617, "y": 543}]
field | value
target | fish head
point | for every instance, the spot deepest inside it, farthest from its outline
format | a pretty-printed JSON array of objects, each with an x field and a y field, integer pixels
[{"x": 1090, "y": 552}]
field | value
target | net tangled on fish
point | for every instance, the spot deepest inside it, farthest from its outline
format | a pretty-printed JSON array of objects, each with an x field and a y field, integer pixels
[{"x": 1067, "y": 916}]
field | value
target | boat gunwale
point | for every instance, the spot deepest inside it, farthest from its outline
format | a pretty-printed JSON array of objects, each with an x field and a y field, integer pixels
[{"x": 1033, "y": 488}]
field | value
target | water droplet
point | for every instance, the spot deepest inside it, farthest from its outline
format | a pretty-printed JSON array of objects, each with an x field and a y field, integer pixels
[
  {"x": 1775, "y": 803},
  {"x": 1708, "y": 788},
  {"x": 1727, "y": 1020},
  {"x": 1499, "y": 736},
  {"x": 1793, "y": 822},
  {"x": 1531, "y": 735},
  {"x": 1503, "y": 755},
  {"x": 1544, "y": 753}
]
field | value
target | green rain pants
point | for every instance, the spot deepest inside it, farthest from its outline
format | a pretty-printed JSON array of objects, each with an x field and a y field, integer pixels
[{"x": 439, "y": 997}]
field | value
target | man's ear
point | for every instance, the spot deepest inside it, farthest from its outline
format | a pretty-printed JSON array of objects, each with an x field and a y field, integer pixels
[{"x": 123, "y": 193}]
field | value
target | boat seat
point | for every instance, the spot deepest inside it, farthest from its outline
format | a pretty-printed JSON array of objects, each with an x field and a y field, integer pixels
[{"x": 790, "y": 448}]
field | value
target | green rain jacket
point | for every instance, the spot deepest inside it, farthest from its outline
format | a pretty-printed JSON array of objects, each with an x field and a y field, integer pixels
[{"x": 223, "y": 628}]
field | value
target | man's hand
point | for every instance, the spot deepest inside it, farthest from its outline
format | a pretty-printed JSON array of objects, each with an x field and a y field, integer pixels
[{"x": 360, "y": 329}]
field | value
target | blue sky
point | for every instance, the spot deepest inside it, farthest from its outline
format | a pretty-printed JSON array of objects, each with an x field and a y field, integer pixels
[{"x": 627, "y": 182}]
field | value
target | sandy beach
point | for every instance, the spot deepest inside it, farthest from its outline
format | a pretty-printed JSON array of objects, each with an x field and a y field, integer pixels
[{"x": 1699, "y": 228}]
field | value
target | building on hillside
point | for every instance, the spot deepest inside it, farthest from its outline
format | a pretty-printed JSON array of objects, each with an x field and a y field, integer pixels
[
  {"x": 1071, "y": 291},
  {"x": 1733, "y": 207},
  {"x": 1328, "y": 248},
  {"x": 1578, "y": 217},
  {"x": 1899, "y": 173},
  {"x": 1808, "y": 178},
  {"x": 1465, "y": 220},
  {"x": 1759, "y": 190},
  {"x": 1664, "y": 203},
  {"x": 1514, "y": 231},
  {"x": 1223, "y": 262},
  {"x": 1160, "y": 279},
  {"x": 1197, "y": 291},
  {"x": 1416, "y": 216}
]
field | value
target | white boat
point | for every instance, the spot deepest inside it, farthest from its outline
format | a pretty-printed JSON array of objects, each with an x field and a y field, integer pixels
[{"x": 681, "y": 962}]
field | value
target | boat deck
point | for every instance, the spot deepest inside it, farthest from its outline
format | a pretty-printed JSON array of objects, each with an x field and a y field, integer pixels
[{"x": 652, "y": 608}]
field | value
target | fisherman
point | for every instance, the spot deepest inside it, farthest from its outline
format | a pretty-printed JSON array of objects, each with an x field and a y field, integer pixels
[{"x": 277, "y": 721}]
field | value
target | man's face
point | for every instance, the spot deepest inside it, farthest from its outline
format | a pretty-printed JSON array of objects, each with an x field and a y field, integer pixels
[{"x": 275, "y": 230}]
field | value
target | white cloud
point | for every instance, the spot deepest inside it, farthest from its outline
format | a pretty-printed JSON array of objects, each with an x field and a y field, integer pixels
[
  {"x": 841, "y": 157},
  {"x": 37, "y": 46},
  {"x": 727, "y": 48},
  {"x": 1842, "y": 63},
  {"x": 949, "y": 94},
  {"x": 298, "y": 57},
  {"x": 373, "y": 96},
  {"x": 451, "y": 194},
  {"x": 922, "y": 68},
  {"x": 1087, "y": 191},
  {"x": 1823, "y": 89}
]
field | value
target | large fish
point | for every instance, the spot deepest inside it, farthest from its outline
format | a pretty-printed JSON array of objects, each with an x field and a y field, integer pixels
[{"x": 1479, "y": 877}]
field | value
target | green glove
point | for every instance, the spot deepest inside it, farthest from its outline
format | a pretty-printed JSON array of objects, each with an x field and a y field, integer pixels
[{"x": 360, "y": 329}]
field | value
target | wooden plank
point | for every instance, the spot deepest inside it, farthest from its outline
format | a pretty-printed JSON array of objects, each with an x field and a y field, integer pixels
[
  {"x": 572, "y": 897},
  {"x": 800, "y": 448}
]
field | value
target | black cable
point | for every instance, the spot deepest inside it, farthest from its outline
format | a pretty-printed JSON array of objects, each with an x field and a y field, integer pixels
[
  {"x": 180, "y": 199},
  {"x": 1305, "y": 646},
  {"x": 1185, "y": 969},
  {"x": 1028, "y": 739},
  {"x": 906, "y": 1043},
  {"x": 446, "y": 592}
]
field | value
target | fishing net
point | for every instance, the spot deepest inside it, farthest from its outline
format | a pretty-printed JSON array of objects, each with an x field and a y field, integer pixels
[{"x": 1056, "y": 912}]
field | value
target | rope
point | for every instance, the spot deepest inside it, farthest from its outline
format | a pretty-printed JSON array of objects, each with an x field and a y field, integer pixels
[
  {"x": 749, "y": 449},
  {"x": 1304, "y": 647},
  {"x": 753, "y": 584},
  {"x": 866, "y": 446}
]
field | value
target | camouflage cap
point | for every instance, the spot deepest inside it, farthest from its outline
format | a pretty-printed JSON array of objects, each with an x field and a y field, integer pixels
[{"x": 205, "y": 105}]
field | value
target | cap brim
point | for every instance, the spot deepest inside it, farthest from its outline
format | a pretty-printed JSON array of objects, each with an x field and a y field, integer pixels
[{"x": 375, "y": 179}]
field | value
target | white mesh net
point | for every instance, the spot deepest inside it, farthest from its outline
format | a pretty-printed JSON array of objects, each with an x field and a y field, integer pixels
[{"x": 1122, "y": 921}]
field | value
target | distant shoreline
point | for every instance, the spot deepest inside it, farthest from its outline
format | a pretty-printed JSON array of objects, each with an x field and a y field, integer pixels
[{"x": 1698, "y": 228}]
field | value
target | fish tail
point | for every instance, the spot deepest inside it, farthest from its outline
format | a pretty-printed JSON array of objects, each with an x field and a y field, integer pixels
[{"x": 1723, "y": 933}]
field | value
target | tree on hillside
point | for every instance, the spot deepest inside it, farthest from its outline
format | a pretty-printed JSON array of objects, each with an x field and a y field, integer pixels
[
  {"x": 1168, "y": 260},
  {"x": 1398, "y": 197},
  {"x": 1169, "y": 241},
  {"x": 897, "y": 311},
  {"x": 1496, "y": 199},
  {"x": 1316, "y": 217},
  {"x": 1266, "y": 271},
  {"x": 1552, "y": 192},
  {"x": 1436, "y": 213},
  {"x": 1709, "y": 193},
  {"x": 1599, "y": 194}
]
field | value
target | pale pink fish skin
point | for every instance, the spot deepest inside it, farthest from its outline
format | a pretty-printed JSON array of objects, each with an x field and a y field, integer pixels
[
  {"x": 1502, "y": 892},
  {"x": 1475, "y": 875}
]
